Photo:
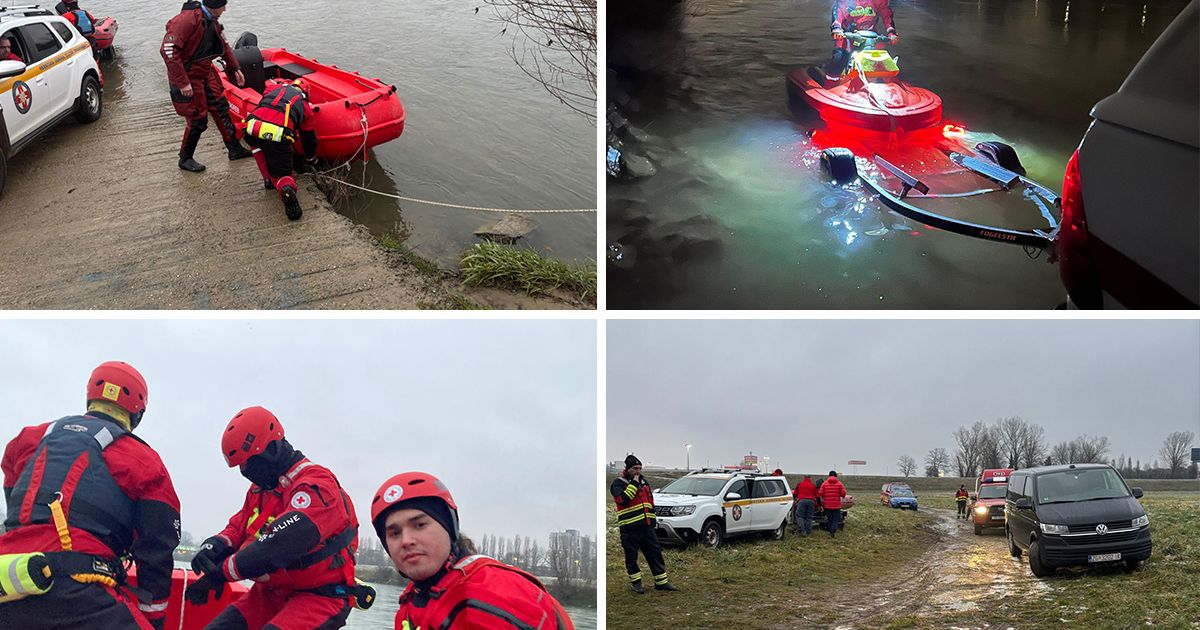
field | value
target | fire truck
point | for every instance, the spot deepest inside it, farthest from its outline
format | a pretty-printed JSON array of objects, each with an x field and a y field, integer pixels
[{"x": 987, "y": 507}]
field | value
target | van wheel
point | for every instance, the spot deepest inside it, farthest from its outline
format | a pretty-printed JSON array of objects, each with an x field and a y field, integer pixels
[
  {"x": 780, "y": 531},
  {"x": 90, "y": 104},
  {"x": 712, "y": 534},
  {"x": 1013, "y": 549},
  {"x": 838, "y": 163},
  {"x": 1002, "y": 155},
  {"x": 1035, "y": 561}
]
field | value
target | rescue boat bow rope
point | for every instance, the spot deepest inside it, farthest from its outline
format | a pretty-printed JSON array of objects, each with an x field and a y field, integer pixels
[
  {"x": 183, "y": 599},
  {"x": 363, "y": 149}
]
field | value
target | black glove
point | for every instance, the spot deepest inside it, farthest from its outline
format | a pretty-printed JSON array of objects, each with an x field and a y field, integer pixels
[
  {"x": 212, "y": 552},
  {"x": 197, "y": 592}
]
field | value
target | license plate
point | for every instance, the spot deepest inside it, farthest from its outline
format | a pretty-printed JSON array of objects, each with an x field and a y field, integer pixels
[
  {"x": 997, "y": 518},
  {"x": 1104, "y": 557}
]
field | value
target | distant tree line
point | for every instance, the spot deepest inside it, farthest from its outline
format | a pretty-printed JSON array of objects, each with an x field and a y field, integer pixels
[
  {"x": 1017, "y": 443},
  {"x": 567, "y": 557}
]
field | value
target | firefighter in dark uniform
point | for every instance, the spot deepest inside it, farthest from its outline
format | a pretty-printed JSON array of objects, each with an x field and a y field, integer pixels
[
  {"x": 283, "y": 116},
  {"x": 295, "y": 536},
  {"x": 450, "y": 586},
  {"x": 635, "y": 516},
  {"x": 83, "y": 493},
  {"x": 194, "y": 38}
]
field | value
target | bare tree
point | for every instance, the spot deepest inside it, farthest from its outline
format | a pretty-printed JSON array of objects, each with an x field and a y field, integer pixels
[
  {"x": 1091, "y": 450},
  {"x": 1175, "y": 451},
  {"x": 936, "y": 461},
  {"x": 1033, "y": 447},
  {"x": 971, "y": 443},
  {"x": 555, "y": 45},
  {"x": 907, "y": 465}
]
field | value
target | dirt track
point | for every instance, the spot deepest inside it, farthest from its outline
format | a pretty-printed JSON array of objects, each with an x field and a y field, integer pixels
[
  {"x": 958, "y": 571},
  {"x": 100, "y": 217}
]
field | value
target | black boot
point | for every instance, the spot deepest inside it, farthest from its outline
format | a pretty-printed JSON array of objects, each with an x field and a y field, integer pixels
[
  {"x": 637, "y": 587},
  {"x": 189, "y": 164},
  {"x": 237, "y": 151},
  {"x": 665, "y": 587},
  {"x": 291, "y": 203},
  {"x": 267, "y": 184}
]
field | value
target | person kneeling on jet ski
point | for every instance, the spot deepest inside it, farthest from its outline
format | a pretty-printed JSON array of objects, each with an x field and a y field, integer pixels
[
  {"x": 856, "y": 15},
  {"x": 272, "y": 129}
]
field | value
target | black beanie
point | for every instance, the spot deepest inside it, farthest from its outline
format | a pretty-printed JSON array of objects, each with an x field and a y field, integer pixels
[
  {"x": 631, "y": 461},
  {"x": 436, "y": 509},
  {"x": 215, "y": 4},
  {"x": 833, "y": 473}
]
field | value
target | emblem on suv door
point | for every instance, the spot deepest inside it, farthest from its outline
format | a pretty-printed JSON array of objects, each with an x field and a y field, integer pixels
[{"x": 1102, "y": 529}]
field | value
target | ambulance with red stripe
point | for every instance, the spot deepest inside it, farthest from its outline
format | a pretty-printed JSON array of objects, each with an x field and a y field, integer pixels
[{"x": 48, "y": 75}]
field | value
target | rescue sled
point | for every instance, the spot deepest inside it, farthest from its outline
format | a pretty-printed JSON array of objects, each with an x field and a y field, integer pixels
[
  {"x": 353, "y": 113},
  {"x": 183, "y": 615}
]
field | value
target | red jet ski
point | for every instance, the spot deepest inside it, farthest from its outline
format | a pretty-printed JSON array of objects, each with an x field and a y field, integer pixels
[
  {"x": 183, "y": 615},
  {"x": 869, "y": 94},
  {"x": 353, "y": 113},
  {"x": 889, "y": 135}
]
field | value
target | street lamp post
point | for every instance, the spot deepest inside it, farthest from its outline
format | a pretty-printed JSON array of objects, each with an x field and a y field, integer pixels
[{"x": 689, "y": 456}]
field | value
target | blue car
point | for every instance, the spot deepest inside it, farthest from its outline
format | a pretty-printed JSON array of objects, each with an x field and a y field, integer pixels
[{"x": 904, "y": 499}]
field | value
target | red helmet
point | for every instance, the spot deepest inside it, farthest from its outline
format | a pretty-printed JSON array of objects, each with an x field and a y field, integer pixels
[
  {"x": 248, "y": 434},
  {"x": 405, "y": 486},
  {"x": 118, "y": 383}
]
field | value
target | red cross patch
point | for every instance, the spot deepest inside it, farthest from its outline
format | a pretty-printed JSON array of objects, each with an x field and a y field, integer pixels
[
  {"x": 392, "y": 494},
  {"x": 301, "y": 500},
  {"x": 22, "y": 96}
]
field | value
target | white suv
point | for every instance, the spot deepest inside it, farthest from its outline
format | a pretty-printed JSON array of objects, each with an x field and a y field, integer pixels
[
  {"x": 708, "y": 506},
  {"x": 1130, "y": 235},
  {"x": 57, "y": 77}
]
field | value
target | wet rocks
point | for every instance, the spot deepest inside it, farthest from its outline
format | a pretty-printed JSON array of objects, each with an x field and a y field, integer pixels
[{"x": 508, "y": 229}]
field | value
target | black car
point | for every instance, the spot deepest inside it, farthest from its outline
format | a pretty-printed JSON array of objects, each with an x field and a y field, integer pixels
[{"x": 1075, "y": 515}]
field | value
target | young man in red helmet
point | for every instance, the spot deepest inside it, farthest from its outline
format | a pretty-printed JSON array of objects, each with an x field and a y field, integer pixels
[
  {"x": 417, "y": 522},
  {"x": 282, "y": 116},
  {"x": 86, "y": 491},
  {"x": 296, "y": 536}
]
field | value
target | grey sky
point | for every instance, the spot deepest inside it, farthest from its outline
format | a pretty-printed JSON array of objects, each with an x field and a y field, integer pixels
[
  {"x": 503, "y": 411},
  {"x": 814, "y": 394}
]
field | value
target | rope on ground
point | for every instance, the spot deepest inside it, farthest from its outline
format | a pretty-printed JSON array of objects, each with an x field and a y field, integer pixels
[
  {"x": 455, "y": 205},
  {"x": 362, "y": 148}
]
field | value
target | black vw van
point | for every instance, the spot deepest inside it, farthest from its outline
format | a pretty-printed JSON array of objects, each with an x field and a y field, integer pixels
[{"x": 1075, "y": 515}]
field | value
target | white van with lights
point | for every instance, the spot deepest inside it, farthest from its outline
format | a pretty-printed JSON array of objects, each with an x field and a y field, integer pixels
[
  {"x": 708, "y": 506},
  {"x": 48, "y": 74}
]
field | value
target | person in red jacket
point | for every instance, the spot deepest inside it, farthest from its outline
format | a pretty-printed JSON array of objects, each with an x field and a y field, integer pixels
[
  {"x": 831, "y": 493},
  {"x": 856, "y": 15},
  {"x": 295, "y": 536},
  {"x": 109, "y": 493},
  {"x": 283, "y": 116},
  {"x": 6, "y": 51},
  {"x": 961, "y": 498},
  {"x": 416, "y": 519},
  {"x": 83, "y": 21},
  {"x": 194, "y": 38},
  {"x": 805, "y": 495}
]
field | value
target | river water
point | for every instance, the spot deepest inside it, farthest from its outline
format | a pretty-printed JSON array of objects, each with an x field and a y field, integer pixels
[
  {"x": 738, "y": 215},
  {"x": 383, "y": 614},
  {"x": 478, "y": 132}
]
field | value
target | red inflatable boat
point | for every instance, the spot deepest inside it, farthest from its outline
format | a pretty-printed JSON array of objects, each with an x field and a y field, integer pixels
[
  {"x": 183, "y": 615},
  {"x": 353, "y": 113},
  {"x": 102, "y": 37}
]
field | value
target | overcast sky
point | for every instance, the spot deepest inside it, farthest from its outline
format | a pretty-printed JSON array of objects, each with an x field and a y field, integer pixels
[
  {"x": 813, "y": 394},
  {"x": 503, "y": 411}
]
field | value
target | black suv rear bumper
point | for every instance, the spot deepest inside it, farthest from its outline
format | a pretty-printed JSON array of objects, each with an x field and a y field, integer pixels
[{"x": 1066, "y": 551}]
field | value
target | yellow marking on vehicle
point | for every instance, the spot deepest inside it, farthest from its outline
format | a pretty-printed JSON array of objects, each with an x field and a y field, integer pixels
[{"x": 42, "y": 66}]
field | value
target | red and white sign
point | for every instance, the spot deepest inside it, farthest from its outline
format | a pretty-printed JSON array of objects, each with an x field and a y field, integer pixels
[{"x": 857, "y": 462}]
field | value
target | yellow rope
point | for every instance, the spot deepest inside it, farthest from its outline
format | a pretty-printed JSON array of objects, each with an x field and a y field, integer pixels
[
  {"x": 60, "y": 523},
  {"x": 94, "y": 578},
  {"x": 454, "y": 205}
]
